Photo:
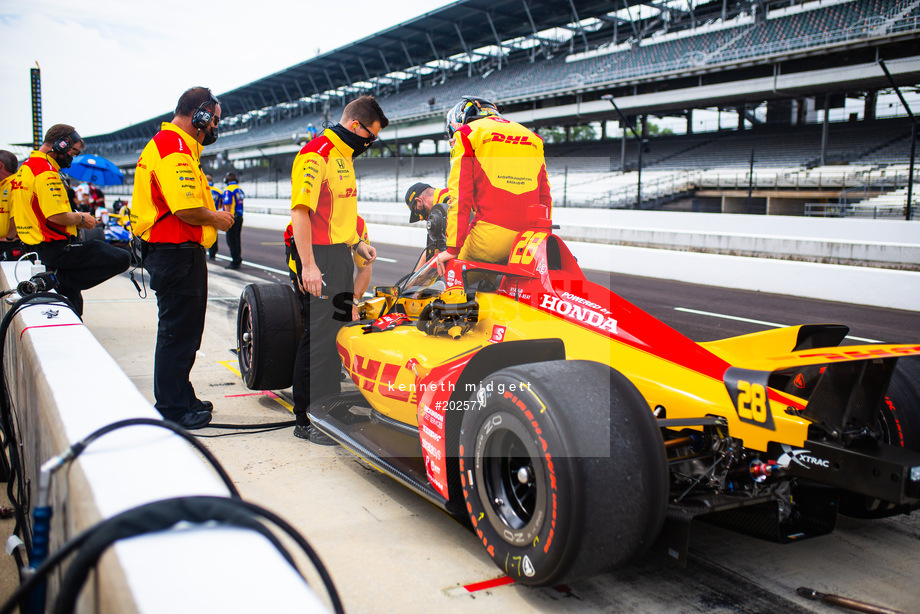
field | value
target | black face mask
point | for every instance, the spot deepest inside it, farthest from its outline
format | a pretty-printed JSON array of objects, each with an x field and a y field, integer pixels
[
  {"x": 358, "y": 144},
  {"x": 210, "y": 136},
  {"x": 63, "y": 159}
]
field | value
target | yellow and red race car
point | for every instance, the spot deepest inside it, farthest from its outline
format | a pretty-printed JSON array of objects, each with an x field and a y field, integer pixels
[{"x": 571, "y": 430}]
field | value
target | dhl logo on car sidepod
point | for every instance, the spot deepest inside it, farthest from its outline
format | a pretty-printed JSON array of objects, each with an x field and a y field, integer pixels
[{"x": 376, "y": 376}]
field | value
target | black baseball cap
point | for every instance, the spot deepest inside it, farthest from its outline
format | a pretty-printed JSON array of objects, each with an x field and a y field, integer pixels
[{"x": 411, "y": 195}]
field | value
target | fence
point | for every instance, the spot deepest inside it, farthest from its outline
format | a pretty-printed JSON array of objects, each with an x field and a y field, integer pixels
[{"x": 575, "y": 187}]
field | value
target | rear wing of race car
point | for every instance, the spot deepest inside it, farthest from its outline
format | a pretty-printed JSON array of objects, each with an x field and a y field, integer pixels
[
  {"x": 839, "y": 392},
  {"x": 837, "y": 389}
]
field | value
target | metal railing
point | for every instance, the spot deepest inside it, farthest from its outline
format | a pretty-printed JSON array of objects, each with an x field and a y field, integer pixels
[{"x": 844, "y": 210}]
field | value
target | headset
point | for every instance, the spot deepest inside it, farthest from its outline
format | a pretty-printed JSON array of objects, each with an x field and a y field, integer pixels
[
  {"x": 64, "y": 144},
  {"x": 202, "y": 117}
]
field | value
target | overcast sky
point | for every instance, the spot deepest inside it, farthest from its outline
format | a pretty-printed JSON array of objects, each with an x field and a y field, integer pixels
[{"x": 107, "y": 64}]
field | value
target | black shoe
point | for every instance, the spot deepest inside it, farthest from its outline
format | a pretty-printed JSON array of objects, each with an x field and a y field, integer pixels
[
  {"x": 313, "y": 434},
  {"x": 206, "y": 406},
  {"x": 212, "y": 258},
  {"x": 233, "y": 266},
  {"x": 194, "y": 420}
]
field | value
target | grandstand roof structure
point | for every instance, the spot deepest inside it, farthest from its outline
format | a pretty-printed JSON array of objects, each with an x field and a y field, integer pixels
[
  {"x": 458, "y": 28},
  {"x": 471, "y": 29}
]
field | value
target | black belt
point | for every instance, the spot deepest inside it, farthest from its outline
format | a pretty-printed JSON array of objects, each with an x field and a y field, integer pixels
[
  {"x": 66, "y": 241},
  {"x": 152, "y": 247}
]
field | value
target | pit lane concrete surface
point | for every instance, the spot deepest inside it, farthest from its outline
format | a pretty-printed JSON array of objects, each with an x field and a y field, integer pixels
[{"x": 390, "y": 551}]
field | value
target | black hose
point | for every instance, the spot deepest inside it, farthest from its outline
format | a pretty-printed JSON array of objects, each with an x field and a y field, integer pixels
[
  {"x": 151, "y": 518},
  {"x": 77, "y": 448},
  {"x": 258, "y": 425},
  {"x": 10, "y": 442},
  {"x": 246, "y": 429},
  {"x": 158, "y": 516}
]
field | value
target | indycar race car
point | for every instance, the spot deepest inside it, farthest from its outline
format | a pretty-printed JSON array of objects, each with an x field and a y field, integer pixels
[{"x": 571, "y": 430}]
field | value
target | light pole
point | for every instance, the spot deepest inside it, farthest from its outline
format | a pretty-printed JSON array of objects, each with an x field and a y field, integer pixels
[
  {"x": 913, "y": 141},
  {"x": 629, "y": 125}
]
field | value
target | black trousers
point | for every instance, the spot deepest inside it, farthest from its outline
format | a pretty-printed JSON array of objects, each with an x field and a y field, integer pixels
[
  {"x": 233, "y": 240},
  {"x": 81, "y": 265},
  {"x": 212, "y": 251},
  {"x": 317, "y": 366},
  {"x": 179, "y": 276}
]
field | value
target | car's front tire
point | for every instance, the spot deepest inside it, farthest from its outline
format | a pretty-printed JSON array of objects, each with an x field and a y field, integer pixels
[{"x": 268, "y": 329}]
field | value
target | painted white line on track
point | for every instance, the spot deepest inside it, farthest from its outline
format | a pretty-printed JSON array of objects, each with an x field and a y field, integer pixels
[
  {"x": 280, "y": 272},
  {"x": 254, "y": 265},
  {"x": 761, "y": 322}
]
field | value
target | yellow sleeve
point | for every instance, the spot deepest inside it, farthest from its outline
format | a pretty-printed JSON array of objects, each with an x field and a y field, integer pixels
[
  {"x": 52, "y": 196},
  {"x": 180, "y": 184},
  {"x": 307, "y": 180}
]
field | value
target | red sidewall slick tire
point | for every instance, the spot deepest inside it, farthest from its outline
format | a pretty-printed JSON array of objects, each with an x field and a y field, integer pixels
[
  {"x": 564, "y": 476},
  {"x": 900, "y": 411},
  {"x": 268, "y": 331},
  {"x": 899, "y": 418}
]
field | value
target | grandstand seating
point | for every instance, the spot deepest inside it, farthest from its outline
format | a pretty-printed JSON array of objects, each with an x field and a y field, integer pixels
[
  {"x": 655, "y": 54},
  {"x": 590, "y": 172}
]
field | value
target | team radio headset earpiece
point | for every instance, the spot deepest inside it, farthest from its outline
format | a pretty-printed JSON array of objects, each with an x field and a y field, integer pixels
[
  {"x": 203, "y": 116},
  {"x": 65, "y": 144}
]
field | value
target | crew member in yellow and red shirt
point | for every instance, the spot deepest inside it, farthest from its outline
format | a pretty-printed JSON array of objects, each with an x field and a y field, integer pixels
[
  {"x": 10, "y": 245},
  {"x": 324, "y": 212},
  {"x": 47, "y": 223},
  {"x": 497, "y": 172},
  {"x": 173, "y": 214}
]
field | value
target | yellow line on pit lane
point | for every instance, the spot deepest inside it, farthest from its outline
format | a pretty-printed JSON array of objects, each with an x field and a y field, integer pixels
[{"x": 228, "y": 365}]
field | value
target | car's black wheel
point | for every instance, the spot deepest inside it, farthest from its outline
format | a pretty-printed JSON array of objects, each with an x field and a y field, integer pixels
[
  {"x": 268, "y": 331},
  {"x": 899, "y": 422},
  {"x": 563, "y": 470}
]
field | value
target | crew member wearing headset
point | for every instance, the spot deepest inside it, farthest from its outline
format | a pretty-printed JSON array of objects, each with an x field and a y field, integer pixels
[
  {"x": 429, "y": 204},
  {"x": 497, "y": 172},
  {"x": 232, "y": 200},
  {"x": 174, "y": 215},
  {"x": 324, "y": 211},
  {"x": 10, "y": 245},
  {"x": 47, "y": 224}
]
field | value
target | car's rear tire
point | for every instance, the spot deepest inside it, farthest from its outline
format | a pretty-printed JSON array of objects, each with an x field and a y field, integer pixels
[
  {"x": 899, "y": 419},
  {"x": 563, "y": 470},
  {"x": 268, "y": 331}
]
